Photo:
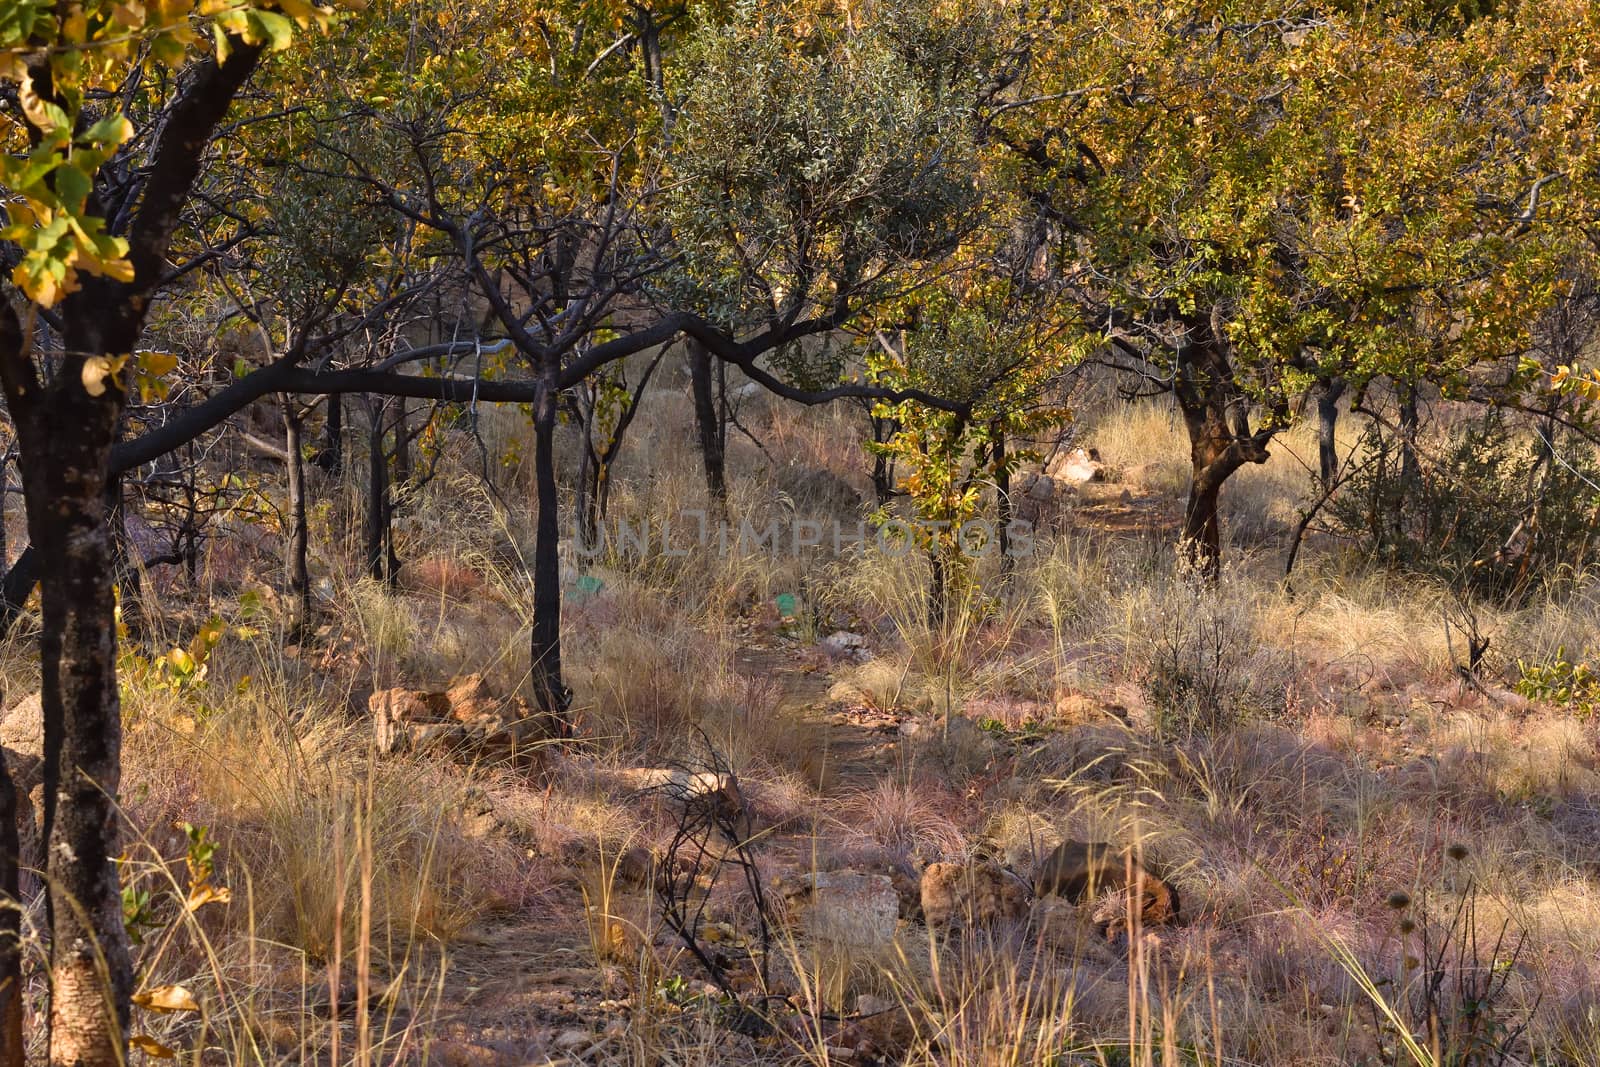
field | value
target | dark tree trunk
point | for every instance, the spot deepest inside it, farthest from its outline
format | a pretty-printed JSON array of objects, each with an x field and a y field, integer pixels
[
  {"x": 708, "y": 420},
  {"x": 65, "y": 479},
  {"x": 588, "y": 539},
  {"x": 12, "y": 1039},
  {"x": 402, "y": 443},
  {"x": 883, "y": 430},
  {"x": 587, "y": 534},
  {"x": 382, "y": 564},
  {"x": 126, "y": 558},
  {"x": 5, "y": 506},
  {"x": 1408, "y": 434},
  {"x": 1216, "y": 415},
  {"x": 16, "y": 587},
  {"x": 65, "y": 427},
  {"x": 299, "y": 574},
  {"x": 550, "y": 692},
  {"x": 1328, "y": 395},
  {"x": 1002, "y": 504},
  {"x": 191, "y": 523},
  {"x": 330, "y": 451}
]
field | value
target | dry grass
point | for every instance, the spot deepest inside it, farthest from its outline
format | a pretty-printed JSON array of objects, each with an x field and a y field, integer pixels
[{"x": 1289, "y": 759}]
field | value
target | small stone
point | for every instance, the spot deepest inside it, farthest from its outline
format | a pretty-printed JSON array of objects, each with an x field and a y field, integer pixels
[
  {"x": 843, "y": 643},
  {"x": 867, "y": 1004},
  {"x": 571, "y": 1040}
]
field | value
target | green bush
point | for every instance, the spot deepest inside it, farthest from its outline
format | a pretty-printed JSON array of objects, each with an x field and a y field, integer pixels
[{"x": 1489, "y": 509}]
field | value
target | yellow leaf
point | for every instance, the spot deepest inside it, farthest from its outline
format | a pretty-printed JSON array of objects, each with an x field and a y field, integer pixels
[
  {"x": 298, "y": 9},
  {"x": 157, "y": 363},
  {"x": 167, "y": 998},
  {"x": 204, "y": 894},
  {"x": 39, "y": 112},
  {"x": 96, "y": 369},
  {"x": 181, "y": 660},
  {"x": 151, "y": 1047}
]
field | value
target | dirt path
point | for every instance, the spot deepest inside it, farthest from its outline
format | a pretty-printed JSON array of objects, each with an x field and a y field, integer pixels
[
  {"x": 859, "y": 746},
  {"x": 521, "y": 985}
]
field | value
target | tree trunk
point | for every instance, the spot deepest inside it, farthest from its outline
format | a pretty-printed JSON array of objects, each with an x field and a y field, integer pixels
[
  {"x": 1002, "y": 504},
  {"x": 883, "y": 430},
  {"x": 5, "y": 506},
  {"x": 380, "y": 552},
  {"x": 1202, "y": 525},
  {"x": 587, "y": 534},
  {"x": 938, "y": 592},
  {"x": 588, "y": 540},
  {"x": 124, "y": 558},
  {"x": 1216, "y": 415},
  {"x": 708, "y": 421},
  {"x": 299, "y": 574},
  {"x": 1408, "y": 434},
  {"x": 66, "y": 426},
  {"x": 12, "y": 1039},
  {"x": 65, "y": 485},
  {"x": 330, "y": 452},
  {"x": 550, "y": 692},
  {"x": 1328, "y": 395},
  {"x": 402, "y": 443},
  {"x": 191, "y": 518}
]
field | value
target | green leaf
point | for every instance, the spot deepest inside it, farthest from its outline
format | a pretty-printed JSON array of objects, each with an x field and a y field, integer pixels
[{"x": 271, "y": 27}]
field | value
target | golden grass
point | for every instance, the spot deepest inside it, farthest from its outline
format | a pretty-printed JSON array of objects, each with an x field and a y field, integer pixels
[{"x": 1350, "y": 757}]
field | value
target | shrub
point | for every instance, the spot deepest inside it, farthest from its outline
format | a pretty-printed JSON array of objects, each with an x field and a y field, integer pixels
[{"x": 1494, "y": 509}]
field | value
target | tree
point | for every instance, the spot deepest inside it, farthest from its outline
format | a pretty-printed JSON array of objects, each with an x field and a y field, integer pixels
[
  {"x": 1000, "y": 344},
  {"x": 616, "y": 239},
  {"x": 1251, "y": 197},
  {"x": 92, "y": 214}
]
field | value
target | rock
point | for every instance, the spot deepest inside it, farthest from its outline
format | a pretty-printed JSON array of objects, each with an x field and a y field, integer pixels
[
  {"x": 573, "y": 1040},
  {"x": 843, "y": 643},
  {"x": 408, "y": 705},
  {"x": 469, "y": 700},
  {"x": 978, "y": 893},
  {"x": 1042, "y": 489},
  {"x": 22, "y": 735},
  {"x": 467, "y": 720},
  {"x": 448, "y": 1053},
  {"x": 1114, "y": 912},
  {"x": 1077, "y": 466},
  {"x": 635, "y": 868},
  {"x": 847, "y": 907},
  {"x": 683, "y": 785},
  {"x": 909, "y": 891}
]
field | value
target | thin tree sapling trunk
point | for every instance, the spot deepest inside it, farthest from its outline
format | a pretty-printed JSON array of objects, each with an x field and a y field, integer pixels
[
  {"x": 1328, "y": 394},
  {"x": 12, "y": 1039},
  {"x": 707, "y": 422},
  {"x": 299, "y": 574},
  {"x": 550, "y": 691}
]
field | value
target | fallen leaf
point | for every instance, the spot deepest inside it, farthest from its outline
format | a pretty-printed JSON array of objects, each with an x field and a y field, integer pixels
[
  {"x": 167, "y": 998},
  {"x": 151, "y": 1047}
]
